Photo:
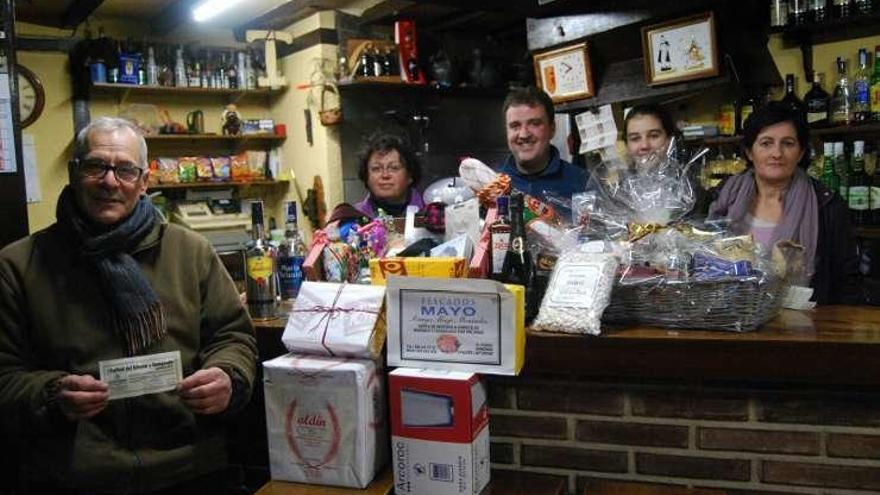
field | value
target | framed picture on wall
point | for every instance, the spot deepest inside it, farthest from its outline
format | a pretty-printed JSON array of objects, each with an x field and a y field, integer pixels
[
  {"x": 680, "y": 50},
  {"x": 565, "y": 73}
]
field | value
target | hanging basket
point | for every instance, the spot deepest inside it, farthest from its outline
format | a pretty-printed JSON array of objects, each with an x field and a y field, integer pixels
[{"x": 330, "y": 116}]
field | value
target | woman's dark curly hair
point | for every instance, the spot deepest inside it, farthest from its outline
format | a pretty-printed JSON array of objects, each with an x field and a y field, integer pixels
[
  {"x": 382, "y": 142},
  {"x": 776, "y": 112}
]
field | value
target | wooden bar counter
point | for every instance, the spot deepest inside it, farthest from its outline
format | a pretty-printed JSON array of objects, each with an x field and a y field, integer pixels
[{"x": 831, "y": 344}]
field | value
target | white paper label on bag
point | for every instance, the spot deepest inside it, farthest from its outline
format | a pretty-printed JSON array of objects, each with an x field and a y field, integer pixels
[
  {"x": 141, "y": 375},
  {"x": 575, "y": 286},
  {"x": 450, "y": 326}
]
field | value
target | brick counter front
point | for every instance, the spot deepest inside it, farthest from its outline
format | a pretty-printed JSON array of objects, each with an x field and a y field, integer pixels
[{"x": 791, "y": 408}]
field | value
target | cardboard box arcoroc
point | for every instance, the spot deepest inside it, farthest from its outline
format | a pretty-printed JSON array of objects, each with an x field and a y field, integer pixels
[{"x": 439, "y": 432}]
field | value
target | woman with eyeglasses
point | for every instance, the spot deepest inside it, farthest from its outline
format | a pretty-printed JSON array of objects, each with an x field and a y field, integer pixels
[{"x": 390, "y": 171}]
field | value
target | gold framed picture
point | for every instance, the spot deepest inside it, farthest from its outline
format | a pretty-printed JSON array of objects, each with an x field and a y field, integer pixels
[
  {"x": 565, "y": 73},
  {"x": 680, "y": 50}
]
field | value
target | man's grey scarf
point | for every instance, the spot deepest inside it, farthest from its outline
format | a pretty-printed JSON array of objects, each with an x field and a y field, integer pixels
[{"x": 138, "y": 315}]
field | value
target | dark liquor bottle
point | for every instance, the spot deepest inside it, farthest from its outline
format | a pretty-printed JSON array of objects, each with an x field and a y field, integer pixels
[
  {"x": 861, "y": 93},
  {"x": 365, "y": 64},
  {"x": 260, "y": 268},
  {"x": 816, "y": 101},
  {"x": 744, "y": 108},
  {"x": 790, "y": 99},
  {"x": 859, "y": 187},
  {"x": 518, "y": 268},
  {"x": 291, "y": 255},
  {"x": 841, "y": 9},
  {"x": 499, "y": 237}
]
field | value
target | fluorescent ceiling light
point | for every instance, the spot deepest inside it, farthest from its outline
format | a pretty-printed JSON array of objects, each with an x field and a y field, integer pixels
[{"x": 210, "y": 8}]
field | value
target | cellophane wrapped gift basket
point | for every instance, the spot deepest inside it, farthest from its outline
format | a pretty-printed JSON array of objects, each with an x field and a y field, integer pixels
[{"x": 674, "y": 270}]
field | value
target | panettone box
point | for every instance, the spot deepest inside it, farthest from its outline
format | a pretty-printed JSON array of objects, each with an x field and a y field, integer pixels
[{"x": 325, "y": 419}]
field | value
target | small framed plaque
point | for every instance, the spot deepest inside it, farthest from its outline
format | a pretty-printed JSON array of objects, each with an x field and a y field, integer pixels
[
  {"x": 565, "y": 73},
  {"x": 680, "y": 50}
]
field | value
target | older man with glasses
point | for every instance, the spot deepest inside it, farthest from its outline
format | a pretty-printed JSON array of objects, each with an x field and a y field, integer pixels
[{"x": 110, "y": 282}]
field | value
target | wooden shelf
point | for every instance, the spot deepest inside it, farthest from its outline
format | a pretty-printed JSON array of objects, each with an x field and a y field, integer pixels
[
  {"x": 847, "y": 130},
  {"x": 214, "y": 137},
  {"x": 123, "y": 91},
  {"x": 867, "y": 231},
  {"x": 372, "y": 84},
  {"x": 217, "y": 185}
]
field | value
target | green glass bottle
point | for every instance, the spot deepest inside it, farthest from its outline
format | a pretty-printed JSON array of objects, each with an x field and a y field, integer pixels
[{"x": 829, "y": 176}]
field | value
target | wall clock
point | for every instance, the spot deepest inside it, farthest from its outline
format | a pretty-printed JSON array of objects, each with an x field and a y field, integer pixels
[{"x": 31, "y": 96}]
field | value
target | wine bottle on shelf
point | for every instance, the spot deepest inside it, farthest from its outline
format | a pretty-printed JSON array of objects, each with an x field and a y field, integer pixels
[
  {"x": 797, "y": 12},
  {"x": 180, "y": 79},
  {"x": 861, "y": 104},
  {"x": 875, "y": 86},
  {"x": 791, "y": 99},
  {"x": 499, "y": 237},
  {"x": 816, "y": 11},
  {"x": 842, "y": 169},
  {"x": 829, "y": 176},
  {"x": 778, "y": 13},
  {"x": 840, "y": 112},
  {"x": 874, "y": 195},
  {"x": 260, "y": 268},
  {"x": 745, "y": 107},
  {"x": 817, "y": 102},
  {"x": 859, "y": 187},
  {"x": 841, "y": 9},
  {"x": 291, "y": 255}
]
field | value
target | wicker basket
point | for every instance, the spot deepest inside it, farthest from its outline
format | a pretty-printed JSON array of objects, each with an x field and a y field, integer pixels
[{"x": 732, "y": 305}]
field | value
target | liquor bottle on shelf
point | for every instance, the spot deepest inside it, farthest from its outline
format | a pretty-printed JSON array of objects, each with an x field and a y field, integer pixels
[
  {"x": 817, "y": 102},
  {"x": 859, "y": 187},
  {"x": 231, "y": 73},
  {"x": 840, "y": 111},
  {"x": 797, "y": 12},
  {"x": 249, "y": 76},
  {"x": 390, "y": 65},
  {"x": 180, "y": 79},
  {"x": 152, "y": 68},
  {"x": 499, "y": 237},
  {"x": 260, "y": 268},
  {"x": 840, "y": 166},
  {"x": 745, "y": 106},
  {"x": 875, "y": 86},
  {"x": 841, "y": 9},
  {"x": 829, "y": 176},
  {"x": 861, "y": 104},
  {"x": 862, "y": 7},
  {"x": 291, "y": 255},
  {"x": 365, "y": 64},
  {"x": 874, "y": 197},
  {"x": 241, "y": 71},
  {"x": 778, "y": 13},
  {"x": 378, "y": 63},
  {"x": 816, "y": 11},
  {"x": 791, "y": 99}
]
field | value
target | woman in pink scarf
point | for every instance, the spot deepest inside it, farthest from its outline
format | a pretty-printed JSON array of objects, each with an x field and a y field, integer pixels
[{"x": 775, "y": 199}]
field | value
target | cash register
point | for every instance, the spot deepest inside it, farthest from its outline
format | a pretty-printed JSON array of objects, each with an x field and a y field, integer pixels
[{"x": 220, "y": 221}]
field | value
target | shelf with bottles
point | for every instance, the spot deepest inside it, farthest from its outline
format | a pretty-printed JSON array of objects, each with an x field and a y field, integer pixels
[
  {"x": 123, "y": 91},
  {"x": 241, "y": 138},
  {"x": 860, "y": 22},
  {"x": 392, "y": 83},
  {"x": 218, "y": 185},
  {"x": 866, "y": 130}
]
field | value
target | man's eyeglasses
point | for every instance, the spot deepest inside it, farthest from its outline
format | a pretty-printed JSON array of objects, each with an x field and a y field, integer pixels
[
  {"x": 97, "y": 169},
  {"x": 394, "y": 168}
]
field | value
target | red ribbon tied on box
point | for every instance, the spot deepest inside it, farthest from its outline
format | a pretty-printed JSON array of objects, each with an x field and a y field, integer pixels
[{"x": 328, "y": 313}]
